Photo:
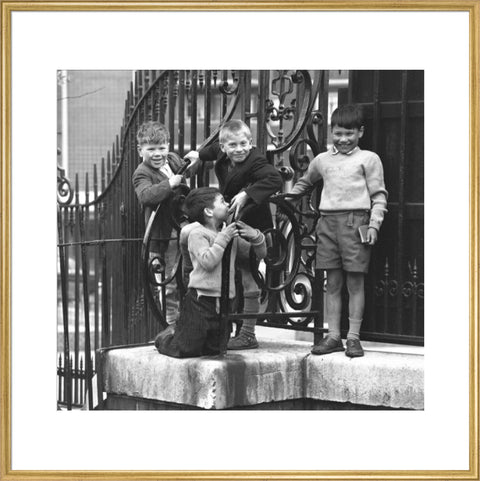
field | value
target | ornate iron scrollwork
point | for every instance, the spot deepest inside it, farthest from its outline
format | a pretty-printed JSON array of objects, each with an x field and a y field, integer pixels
[{"x": 64, "y": 188}]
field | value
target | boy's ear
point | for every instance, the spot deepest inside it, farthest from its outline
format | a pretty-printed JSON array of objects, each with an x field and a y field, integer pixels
[
  {"x": 222, "y": 148},
  {"x": 208, "y": 212},
  {"x": 139, "y": 150},
  {"x": 361, "y": 130}
]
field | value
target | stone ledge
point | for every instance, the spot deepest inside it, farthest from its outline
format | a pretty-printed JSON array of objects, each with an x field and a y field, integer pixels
[
  {"x": 377, "y": 379},
  {"x": 278, "y": 371}
]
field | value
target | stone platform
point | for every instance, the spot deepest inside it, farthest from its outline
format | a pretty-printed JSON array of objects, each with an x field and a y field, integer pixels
[{"x": 278, "y": 375}]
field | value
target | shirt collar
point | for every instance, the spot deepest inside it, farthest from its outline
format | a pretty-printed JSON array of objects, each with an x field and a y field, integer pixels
[{"x": 335, "y": 150}]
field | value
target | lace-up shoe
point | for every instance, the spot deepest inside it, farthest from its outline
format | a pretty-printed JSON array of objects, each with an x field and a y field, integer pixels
[
  {"x": 328, "y": 345},
  {"x": 243, "y": 341},
  {"x": 354, "y": 348}
]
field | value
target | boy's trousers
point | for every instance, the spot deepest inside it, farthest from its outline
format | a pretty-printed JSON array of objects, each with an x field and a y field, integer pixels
[
  {"x": 171, "y": 300},
  {"x": 197, "y": 332}
]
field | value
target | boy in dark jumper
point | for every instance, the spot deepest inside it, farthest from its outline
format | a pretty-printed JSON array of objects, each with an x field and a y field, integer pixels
[
  {"x": 154, "y": 181},
  {"x": 197, "y": 331},
  {"x": 244, "y": 175}
]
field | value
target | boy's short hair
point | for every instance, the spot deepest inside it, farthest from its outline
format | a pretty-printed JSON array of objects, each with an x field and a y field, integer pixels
[
  {"x": 235, "y": 127},
  {"x": 199, "y": 199},
  {"x": 152, "y": 132},
  {"x": 348, "y": 116}
]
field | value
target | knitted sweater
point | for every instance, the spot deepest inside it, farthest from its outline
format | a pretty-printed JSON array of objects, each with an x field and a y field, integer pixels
[
  {"x": 206, "y": 249},
  {"x": 352, "y": 181}
]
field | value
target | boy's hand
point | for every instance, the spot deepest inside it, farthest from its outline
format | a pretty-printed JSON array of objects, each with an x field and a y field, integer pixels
[
  {"x": 372, "y": 236},
  {"x": 175, "y": 181},
  {"x": 238, "y": 202},
  {"x": 193, "y": 157},
  {"x": 245, "y": 231},
  {"x": 230, "y": 231}
]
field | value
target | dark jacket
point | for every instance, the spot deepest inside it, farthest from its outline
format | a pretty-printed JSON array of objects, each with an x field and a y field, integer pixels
[
  {"x": 152, "y": 188},
  {"x": 254, "y": 175}
]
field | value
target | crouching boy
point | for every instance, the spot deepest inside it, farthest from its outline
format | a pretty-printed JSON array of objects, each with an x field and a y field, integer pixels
[{"x": 198, "y": 332}]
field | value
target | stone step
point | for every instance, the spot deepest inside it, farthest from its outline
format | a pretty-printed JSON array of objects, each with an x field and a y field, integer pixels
[{"x": 278, "y": 371}]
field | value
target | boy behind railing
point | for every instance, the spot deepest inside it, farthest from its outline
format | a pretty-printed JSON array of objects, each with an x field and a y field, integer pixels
[
  {"x": 154, "y": 181},
  {"x": 245, "y": 177}
]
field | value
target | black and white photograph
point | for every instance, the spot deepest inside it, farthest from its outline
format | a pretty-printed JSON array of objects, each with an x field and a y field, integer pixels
[
  {"x": 247, "y": 239},
  {"x": 258, "y": 259}
]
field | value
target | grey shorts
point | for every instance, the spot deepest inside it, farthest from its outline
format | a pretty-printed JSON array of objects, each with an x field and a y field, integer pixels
[{"x": 339, "y": 245}]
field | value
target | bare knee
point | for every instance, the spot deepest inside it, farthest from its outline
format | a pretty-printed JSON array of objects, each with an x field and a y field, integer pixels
[
  {"x": 355, "y": 282},
  {"x": 334, "y": 281}
]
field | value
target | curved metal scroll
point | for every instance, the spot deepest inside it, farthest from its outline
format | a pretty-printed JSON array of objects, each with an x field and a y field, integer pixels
[{"x": 286, "y": 275}]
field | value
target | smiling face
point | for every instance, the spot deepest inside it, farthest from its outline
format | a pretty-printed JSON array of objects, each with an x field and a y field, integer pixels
[
  {"x": 154, "y": 154},
  {"x": 346, "y": 139},
  {"x": 237, "y": 146}
]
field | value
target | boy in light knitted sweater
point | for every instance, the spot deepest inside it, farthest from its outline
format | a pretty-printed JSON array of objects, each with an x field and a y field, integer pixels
[
  {"x": 197, "y": 332},
  {"x": 353, "y": 195}
]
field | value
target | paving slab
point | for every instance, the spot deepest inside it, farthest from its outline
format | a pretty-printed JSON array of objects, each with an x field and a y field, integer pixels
[
  {"x": 272, "y": 373},
  {"x": 377, "y": 379},
  {"x": 276, "y": 372}
]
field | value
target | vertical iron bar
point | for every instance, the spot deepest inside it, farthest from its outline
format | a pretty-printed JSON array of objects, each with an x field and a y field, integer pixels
[
  {"x": 193, "y": 120},
  {"x": 96, "y": 259},
  {"x": 59, "y": 378},
  {"x": 376, "y": 148},
  {"x": 67, "y": 385},
  {"x": 224, "y": 96},
  {"x": 105, "y": 296},
  {"x": 208, "y": 101},
  {"x": 77, "y": 288},
  {"x": 171, "y": 109},
  {"x": 181, "y": 113},
  {"x": 351, "y": 77},
  {"x": 225, "y": 298},
  {"x": 86, "y": 309},
  {"x": 247, "y": 89},
  {"x": 401, "y": 202},
  {"x": 263, "y": 90}
]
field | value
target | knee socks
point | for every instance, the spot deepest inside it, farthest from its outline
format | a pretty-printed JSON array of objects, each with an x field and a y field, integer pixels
[
  {"x": 251, "y": 305},
  {"x": 334, "y": 329}
]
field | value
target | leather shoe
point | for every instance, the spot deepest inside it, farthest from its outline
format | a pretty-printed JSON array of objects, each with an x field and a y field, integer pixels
[
  {"x": 328, "y": 345},
  {"x": 354, "y": 348}
]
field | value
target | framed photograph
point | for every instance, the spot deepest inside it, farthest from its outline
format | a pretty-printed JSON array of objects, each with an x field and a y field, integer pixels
[{"x": 414, "y": 70}]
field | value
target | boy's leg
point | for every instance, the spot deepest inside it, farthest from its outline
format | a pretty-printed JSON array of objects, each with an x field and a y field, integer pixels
[
  {"x": 251, "y": 305},
  {"x": 333, "y": 302},
  {"x": 356, "y": 305},
  {"x": 333, "y": 307},
  {"x": 192, "y": 327},
  {"x": 171, "y": 291}
]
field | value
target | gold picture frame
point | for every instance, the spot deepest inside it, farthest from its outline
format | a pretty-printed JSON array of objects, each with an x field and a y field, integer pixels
[{"x": 472, "y": 7}]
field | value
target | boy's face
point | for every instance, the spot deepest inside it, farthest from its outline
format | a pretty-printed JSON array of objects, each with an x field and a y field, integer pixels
[
  {"x": 237, "y": 147},
  {"x": 344, "y": 139},
  {"x": 154, "y": 155},
  {"x": 220, "y": 208}
]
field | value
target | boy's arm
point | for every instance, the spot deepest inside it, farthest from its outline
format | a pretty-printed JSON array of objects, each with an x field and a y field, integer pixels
[
  {"x": 250, "y": 237},
  {"x": 265, "y": 181},
  {"x": 210, "y": 153},
  {"x": 149, "y": 193},
  {"x": 208, "y": 256},
  {"x": 376, "y": 189},
  {"x": 309, "y": 179}
]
